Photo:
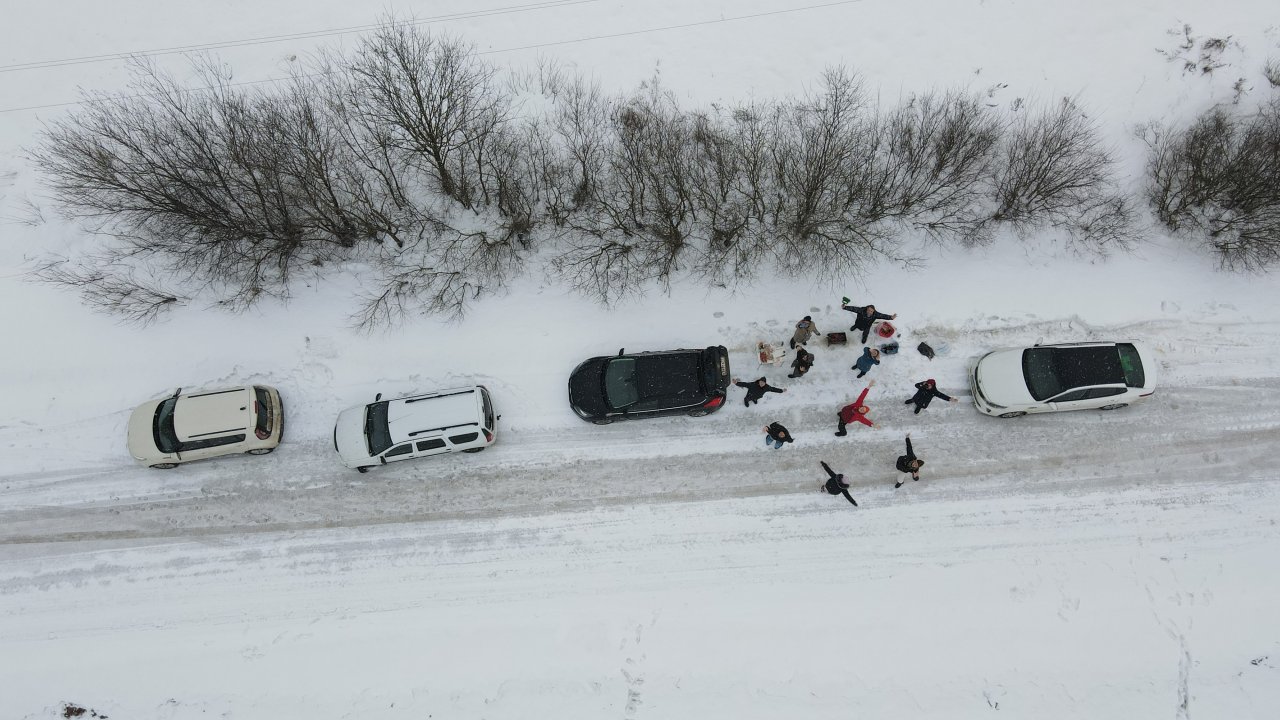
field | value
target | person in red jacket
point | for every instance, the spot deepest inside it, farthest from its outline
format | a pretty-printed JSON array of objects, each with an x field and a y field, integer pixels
[{"x": 855, "y": 412}]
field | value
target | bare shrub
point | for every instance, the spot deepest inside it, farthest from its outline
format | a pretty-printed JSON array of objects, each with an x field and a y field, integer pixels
[
  {"x": 1053, "y": 170},
  {"x": 110, "y": 289},
  {"x": 229, "y": 190},
  {"x": 1271, "y": 71},
  {"x": 1220, "y": 178}
]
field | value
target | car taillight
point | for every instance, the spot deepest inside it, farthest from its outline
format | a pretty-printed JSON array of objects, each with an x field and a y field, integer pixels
[
  {"x": 488, "y": 436},
  {"x": 713, "y": 402}
]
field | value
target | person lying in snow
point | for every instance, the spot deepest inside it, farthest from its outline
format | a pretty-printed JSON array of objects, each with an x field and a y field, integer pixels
[
  {"x": 775, "y": 434},
  {"x": 805, "y": 329},
  {"x": 836, "y": 485},
  {"x": 909, "y": 463},
  {"x": 865, "y": 317},
  {"x": 756, "y": 390},
  {"x": 870, "y": 358},
  {"x": 855, "y": 412},
  {"x": 802, "y": 364},
  {"x": 925, "y": 393}
]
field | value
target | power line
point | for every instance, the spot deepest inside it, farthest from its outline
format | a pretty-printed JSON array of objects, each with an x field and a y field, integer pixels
[
  {"x": 544, "y": 5},
  {"x": 485, "y": 52}
]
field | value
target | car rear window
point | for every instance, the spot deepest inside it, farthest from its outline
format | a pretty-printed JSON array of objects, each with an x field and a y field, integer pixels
[
  {"x": 1131, "y": 363},
  {"x": 463, "y": 438}
]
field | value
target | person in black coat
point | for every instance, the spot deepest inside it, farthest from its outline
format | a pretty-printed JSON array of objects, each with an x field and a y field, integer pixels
[
  {"x": 775, "y": 434},
  {"x": 836, "y": 485},
  {"x": 802, "y": 364},
  {"x": 909, "y": 463},
  {"x": 925, "y": 393},
  {"x": 865, "y": 316},
  {"x": 756, "y": 390}
]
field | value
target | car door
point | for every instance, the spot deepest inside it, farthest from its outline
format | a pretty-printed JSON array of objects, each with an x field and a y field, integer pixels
[
  {"x": 1106, "y": 395},
  {"x": 429, "y": 447},
  {"x": 1069, "y": 400},
  {"x": 211, "y": 447},
  {"x": 403, "y": 451}
]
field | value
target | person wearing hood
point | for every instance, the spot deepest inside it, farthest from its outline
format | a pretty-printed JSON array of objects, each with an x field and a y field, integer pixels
[
  {"x": 925, "y": 393},
  {"x": 865, "y": 317},
  {"x": 756, "y": 390},
  {"x": 835, "y": 484},
  {"x": 855, "y": 412},
  {"x": 870, "y": 358},
  {"x": 908, "y": 463},
  {"x": 805, "y": 329}
]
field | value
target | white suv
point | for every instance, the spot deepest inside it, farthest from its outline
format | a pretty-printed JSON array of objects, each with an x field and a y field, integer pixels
[
  {"x": 461, "y": 419},
  {"x": 208, "y": 423}
]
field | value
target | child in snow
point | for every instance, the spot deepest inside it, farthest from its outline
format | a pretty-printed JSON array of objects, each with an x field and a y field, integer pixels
[
  {"x": 925, "y": 393},
  {"x": 909, "y": 463},
  {"x": 775, "y": 434},
  {"x": 802, "y": 364},
  {"x": 756, "y": 390},
  {"x": 805, "y": 329},
  {"x": 864, "y": 318},
  {"x": 855, "y": 412},
  {"x": 870, "y": 358},
  {"x": 836, "y": 485}
]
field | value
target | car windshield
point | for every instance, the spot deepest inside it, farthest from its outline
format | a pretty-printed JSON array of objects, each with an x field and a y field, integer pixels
[
  {"x": 376, "y": 430},
  {"x": 1040, "y": 370},
  {"x": 620, "y": 383},
  {"x": 162, "y": 427}
]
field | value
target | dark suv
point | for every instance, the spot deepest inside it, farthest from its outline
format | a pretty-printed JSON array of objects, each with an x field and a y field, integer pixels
[{"x": 649, "y": 384}]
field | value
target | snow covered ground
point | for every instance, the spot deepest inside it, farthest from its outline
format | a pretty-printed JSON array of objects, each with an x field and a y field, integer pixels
[{"x": 1082, "y": 565}]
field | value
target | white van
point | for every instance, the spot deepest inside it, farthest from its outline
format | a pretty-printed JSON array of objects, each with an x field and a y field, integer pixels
[{"x": 461, "y": 419}]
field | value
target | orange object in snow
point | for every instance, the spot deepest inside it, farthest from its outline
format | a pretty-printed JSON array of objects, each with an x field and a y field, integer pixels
[{"x": 885, "y": 329}]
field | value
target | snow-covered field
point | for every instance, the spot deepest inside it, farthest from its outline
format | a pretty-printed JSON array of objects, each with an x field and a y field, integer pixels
[{"x": 1118, "y": 565}]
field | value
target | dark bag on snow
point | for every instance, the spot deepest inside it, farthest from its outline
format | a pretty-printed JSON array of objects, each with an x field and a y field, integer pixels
[
  {"x": 925, "y": 350},
  {"x": 889, "y": 348}
]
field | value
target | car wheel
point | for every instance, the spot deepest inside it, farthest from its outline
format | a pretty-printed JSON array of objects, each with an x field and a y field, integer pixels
[
  {"x": 261, "y": 451},
  {"x": 1012, "y": 414},
  {"x": 164, "y": 466},
  {"x": 364, "y": 469},
  {"x": 474, "y": 450},
  {"x": 1117, "y": 406},
  {"x": 603, "y": 421}
]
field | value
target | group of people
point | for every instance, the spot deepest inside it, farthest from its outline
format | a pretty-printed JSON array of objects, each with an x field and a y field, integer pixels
[{"x": 777, "y": 435}]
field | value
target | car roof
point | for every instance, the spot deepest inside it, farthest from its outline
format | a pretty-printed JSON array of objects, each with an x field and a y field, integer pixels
[
  {"x": 425, "y": 415},
  {"x": 213, "y": 413},
  {"x": 1084, "y": 366},
  {"x": 668, "y": 375}
]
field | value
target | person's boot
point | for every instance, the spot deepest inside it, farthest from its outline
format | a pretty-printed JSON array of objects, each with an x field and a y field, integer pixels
[
  {"x": 895, "y": 487},
  {"x": 841, "y": 433}
]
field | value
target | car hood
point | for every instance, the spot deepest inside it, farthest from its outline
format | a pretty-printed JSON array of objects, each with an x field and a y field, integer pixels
[
  {"x": 1000, "y": 377},
  {"x": 141, "y": 441},
  {"x": 586, "y": 388},
  {"x": 348, "y": 436}
]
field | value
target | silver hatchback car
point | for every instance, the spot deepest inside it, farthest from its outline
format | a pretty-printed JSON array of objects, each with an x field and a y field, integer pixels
[
  {"x": 181, "y": 428},
  {"x": 1055, "y": 378}
]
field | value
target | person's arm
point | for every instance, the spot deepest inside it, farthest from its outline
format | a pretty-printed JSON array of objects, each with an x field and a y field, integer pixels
[
  {"x": 849, "y": 497},
  {"x": 920, "y": 385},
  {"x": 827, "y": 467},
  {"x": 741, "y": 384},
  {"x": 770, "y": 388},
  {"x": 862, "y": 396},
  {"x": 942, "y": 396},
  {"x": 863, "y": 419},
  {"x": 851, "y": 308},
  {"x": 910, "y": 455}
]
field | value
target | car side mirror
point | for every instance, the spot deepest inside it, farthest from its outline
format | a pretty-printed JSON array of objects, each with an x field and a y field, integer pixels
[
  {"x": 382, "y": 460},
  {"x": 377, "y": 397},
  {"x": 176, "y": 393},
  {"x": 1038, "y": 341},
  {"x": 622, "y": 350}
]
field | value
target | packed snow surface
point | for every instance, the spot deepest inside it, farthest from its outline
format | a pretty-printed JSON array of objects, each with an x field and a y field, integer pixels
[{"x": 1102, "y": 565}]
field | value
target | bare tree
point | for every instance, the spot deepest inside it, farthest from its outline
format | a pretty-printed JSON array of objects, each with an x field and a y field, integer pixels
[
  {"x": 1051, "y": 168},
  {"x": 1220, "y": 178}
]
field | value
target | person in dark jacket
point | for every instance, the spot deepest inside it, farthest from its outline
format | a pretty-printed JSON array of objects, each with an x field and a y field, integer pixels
[
  {"x": 836, "y": 485},
  {"x": 756, "y": 390},
  {"x": 870, "y": 358},
  {"x": 805, "y": 329},
  {"x": 925, "y": 393},
  {"x": 909, "y": 463},
  {"x": 775, "y": 434},
  {"x": 802, "y": 364},
  {"x": 865, "y": 317},
  {"x": 855, "y": 412}
]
